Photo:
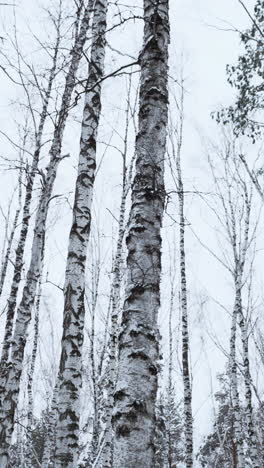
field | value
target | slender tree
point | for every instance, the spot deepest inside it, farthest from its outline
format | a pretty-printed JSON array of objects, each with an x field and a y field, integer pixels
[
  {"x": 50, "y": 440},
  {"x": 26, "y": 215},
  {"x": 234, "y": 191},
  {"x": 10, "y": 377},
  {"x": 10, "y": 238},
  {"x": 33, "y": 357},
  {"x": 70, "y": 373},
  {"x": 106, "y": 455},
  {"x": 135, "y": 397},
  {"x": 176, "y": 139}
]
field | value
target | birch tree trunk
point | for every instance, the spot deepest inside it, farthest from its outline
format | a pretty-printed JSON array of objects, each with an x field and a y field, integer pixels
[
  {"x": 67, "y": 433},
  {"x": 188, "y": 423},
  {"x": 235, "y": 195},
  {"x": 234, "y": 385},
  {"x": 11, "y": 237},
  {"x": 95, "y": 375},
  {"x": 49, "y": 445},
  {"x": 30, "y": 419},
  {"x": 251, "y": 458},
  {"x": 251, "y": 434},
  {"x": 19, "y": 258},
  {"x": 135, "y": 396},
  {"x": 170, "y": 384},
  {"x": 33, "y": 358},
  {"x": 10, "y": 378},
  {"x": 106, "y": 456}
]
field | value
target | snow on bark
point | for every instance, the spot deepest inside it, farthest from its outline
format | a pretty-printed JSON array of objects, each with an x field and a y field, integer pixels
[
  {"x": 67, "y": 431},
  {"x": 10, "y": 378},
  {"x": 135, "y": 397}
]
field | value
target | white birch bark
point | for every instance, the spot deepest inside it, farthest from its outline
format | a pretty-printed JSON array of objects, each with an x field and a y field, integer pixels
[
  {"x": 19, "y": 257},
  {"x": 239, "y": 443},
  {"x": 95, "y": 375},
  {"x": 49, "y": 445},
  {"x": 67, "y": 431},
  {"x": 11, "y": 236},
  {"x": 236, "y": 199},
  {"x": 188, "y": 423},
  {"x": 30, "y": 419},
  {"x": 106, "y": 456},
  {"x": 251, "y": 434},
  {"x": 170, "y": 385},
  {"x": 135, "y": 396},
  {"x": 33, "y": 358},
  {"x": 240, "y": 251},
  {"x": 10, "y": 378}
]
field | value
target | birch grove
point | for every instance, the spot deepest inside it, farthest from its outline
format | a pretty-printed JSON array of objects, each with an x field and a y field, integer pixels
[
  {"x": 131, "y": 234},
  {"x": 11, "y": 376}
]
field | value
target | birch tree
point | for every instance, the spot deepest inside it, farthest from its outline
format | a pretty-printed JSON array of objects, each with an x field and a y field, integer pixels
[
  {"x": 26, "y": 215},
  {"x": 70, "y": 373},
  {"x": 106, "y": 456},
  {"x": 10, "y": 238},
  {"x": 135, "y": 396},
  {"x": 33, "y": 357},
  {"x": 10, "y": 378},
  {"x": 176, "y": 140},
  {"x": 234, "y": 192}
]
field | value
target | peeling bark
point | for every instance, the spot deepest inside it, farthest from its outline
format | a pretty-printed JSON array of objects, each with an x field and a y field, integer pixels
[
  {"x": 135, "y": 397},
  {"x": 67, "y": 432}
]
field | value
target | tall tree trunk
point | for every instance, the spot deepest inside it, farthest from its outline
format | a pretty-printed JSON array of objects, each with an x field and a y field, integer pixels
[
  {"x": 10, "y": 378},
  {"x": 251, "y": 435},
  {"x": 67, "y": 434},
  {"x": 33, "y": 358},
  {"x": 135, "y": 396},
  {"x": 187, "y": 390},
  {"x": 170, "y": 384},
  {"x": 49, "y": 444},
  {"x": 106, "y": 456},
  {"x": 19, "y": 258},
  {"x": 234, "y": 385},
  {"x": 31, "y": 371},
  {"x": 95, "y": 376},
  {"x": 6, "y": 258}
]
